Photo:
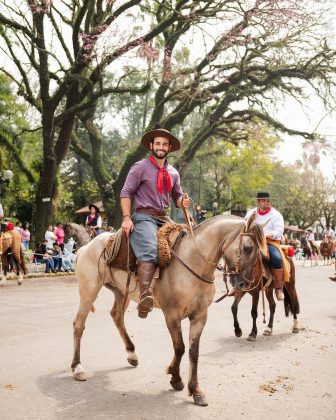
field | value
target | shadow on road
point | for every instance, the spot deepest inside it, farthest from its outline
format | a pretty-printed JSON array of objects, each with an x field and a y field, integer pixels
[
  {"x": 96, "y": 398},
  {"x": 241, "y": 345}
]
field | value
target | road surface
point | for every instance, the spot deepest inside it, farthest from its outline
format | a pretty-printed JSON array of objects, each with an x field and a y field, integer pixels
[{"x": 286, "y": 376}]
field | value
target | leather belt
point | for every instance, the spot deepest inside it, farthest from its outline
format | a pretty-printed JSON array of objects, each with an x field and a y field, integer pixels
[{"x": 152, "y": 212}]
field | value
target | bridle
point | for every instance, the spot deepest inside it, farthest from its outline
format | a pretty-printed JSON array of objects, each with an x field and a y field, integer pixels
[{"x": 224, "y": 245}]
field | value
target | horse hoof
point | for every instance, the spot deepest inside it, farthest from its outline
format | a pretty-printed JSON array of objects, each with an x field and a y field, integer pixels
[
  {"x": 267, "y": 332},
  {"x": 200, "y": 400},
  {"x": 295, "y": 330},
  {"x": 178, "y": 386},
  {"x": 238, "y": 333},
  {"x": 251, "y": 338},
  {"x": 132, "y": 362},
  {"x": 80, "y": 376},
  {"x": 19, "y": 282}
]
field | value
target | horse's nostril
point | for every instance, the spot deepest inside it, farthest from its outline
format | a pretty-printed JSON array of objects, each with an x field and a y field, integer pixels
[{"x": 241, "y": 284}]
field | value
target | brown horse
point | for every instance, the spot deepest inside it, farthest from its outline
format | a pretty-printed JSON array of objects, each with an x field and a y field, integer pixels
[
  {"x": 327, "y": 249},
  {"x": 291, "y": 302},
  {"x": 11, "y": 242},
  {"x": 180, "y": 292},
  {"x": 309, "y": 250}
]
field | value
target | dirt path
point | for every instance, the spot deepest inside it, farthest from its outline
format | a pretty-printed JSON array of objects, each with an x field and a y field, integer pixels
[{"x": 287, "y": 376}]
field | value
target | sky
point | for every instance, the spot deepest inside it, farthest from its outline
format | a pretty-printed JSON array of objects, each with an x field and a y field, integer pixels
[{"x": 313, "y": 117}]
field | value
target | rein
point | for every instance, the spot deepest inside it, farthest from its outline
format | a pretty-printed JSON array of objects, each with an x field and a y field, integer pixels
[{"x": 215, "y": 264}]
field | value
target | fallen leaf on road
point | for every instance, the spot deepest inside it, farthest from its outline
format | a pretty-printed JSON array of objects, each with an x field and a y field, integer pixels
[{"x": 267, "y": 388}]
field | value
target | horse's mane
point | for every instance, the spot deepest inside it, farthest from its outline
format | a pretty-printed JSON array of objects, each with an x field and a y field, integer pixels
[
  {"x": 74, "y": 225},
  {"x": 210, "y": 221}
]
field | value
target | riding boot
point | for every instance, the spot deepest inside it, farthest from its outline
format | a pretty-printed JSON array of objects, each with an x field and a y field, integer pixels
[
  {"x": 146, "y": 272},
  {"x": 278, "y": 282}
]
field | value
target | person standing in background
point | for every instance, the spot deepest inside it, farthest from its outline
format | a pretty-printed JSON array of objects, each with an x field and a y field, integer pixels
[
  {"x": 25, "y": 234},
  {"x": 59, "y": 232},
  {"x": 50, "y": 237}
]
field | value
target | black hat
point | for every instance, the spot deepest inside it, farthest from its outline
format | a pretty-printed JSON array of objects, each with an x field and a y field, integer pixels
[
  {"x": 263, "y": 196},
  {"x": 160, "y": 132},
  {"x": 93, "y": 205}
]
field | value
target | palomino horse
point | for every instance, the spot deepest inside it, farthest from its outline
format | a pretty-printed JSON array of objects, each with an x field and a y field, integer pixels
[
  {"x": 11, "y": 242},
  {"x": 327, "y": 249},
  {"x": 180, "y": 292},
  {"x": 79, "y": 233},
  {"x": 309, "y": 251},
  {"x": 291, "y": 302}
]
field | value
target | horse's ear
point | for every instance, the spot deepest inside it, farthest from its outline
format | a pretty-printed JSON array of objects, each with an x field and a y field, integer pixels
[{"x": 251, "y": 221}]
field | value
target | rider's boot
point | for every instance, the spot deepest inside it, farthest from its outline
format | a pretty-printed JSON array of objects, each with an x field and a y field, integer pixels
[
  {"x": 146, "y": 272},
  {"x": 278, "y": 282}
]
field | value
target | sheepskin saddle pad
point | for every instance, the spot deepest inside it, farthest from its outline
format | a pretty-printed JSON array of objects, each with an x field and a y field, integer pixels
[{"x": 115, "y": 251}]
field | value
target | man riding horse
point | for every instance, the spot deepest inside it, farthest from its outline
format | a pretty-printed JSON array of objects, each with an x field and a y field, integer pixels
[
  {"x": 329, "y": 233},
  {"x": 151, "y": 183},
  {"x": 94, "y": 221},
  {"x": 273, "y": 226}
]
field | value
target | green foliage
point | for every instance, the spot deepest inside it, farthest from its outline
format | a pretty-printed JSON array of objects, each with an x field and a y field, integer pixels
[
  {"x": 229, "y": 174},
  {"x": 303, "y": 195}
]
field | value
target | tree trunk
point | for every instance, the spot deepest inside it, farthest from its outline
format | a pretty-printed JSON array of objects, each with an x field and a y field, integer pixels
[{"x": 45, "y": 200}]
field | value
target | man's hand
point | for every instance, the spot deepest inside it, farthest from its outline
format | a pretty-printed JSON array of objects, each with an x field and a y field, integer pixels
[
  {"x": 185, "y": 202},
  {"x": 127, "y": 225}
]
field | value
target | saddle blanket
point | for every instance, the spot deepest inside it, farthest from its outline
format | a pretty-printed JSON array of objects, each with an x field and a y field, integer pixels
[
  {"x": 285, "y": 262},
  {"x": 117, "y": 247}
]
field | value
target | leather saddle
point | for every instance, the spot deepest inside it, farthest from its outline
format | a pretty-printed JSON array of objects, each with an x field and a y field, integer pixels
[{"x": 168, "y": 235}]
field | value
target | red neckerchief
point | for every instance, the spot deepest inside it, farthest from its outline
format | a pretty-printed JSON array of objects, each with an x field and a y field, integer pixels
[
  {"x": 263, "y": 212},
  {"x": 162, "y": 174}
]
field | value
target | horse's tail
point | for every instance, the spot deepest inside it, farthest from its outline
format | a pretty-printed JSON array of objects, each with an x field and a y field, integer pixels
[
  {"x": 291, "y": 302},
  {"x": 23, "y": 262}
]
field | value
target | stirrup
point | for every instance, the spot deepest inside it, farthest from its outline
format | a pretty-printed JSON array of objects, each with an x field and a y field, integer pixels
[{"x": 145, "y": 306}]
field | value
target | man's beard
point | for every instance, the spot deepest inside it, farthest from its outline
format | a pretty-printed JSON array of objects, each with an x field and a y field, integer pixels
[{"x": 163, "y": 154}]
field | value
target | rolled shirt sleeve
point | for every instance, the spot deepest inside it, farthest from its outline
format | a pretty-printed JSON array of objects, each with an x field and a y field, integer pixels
[
  {"x": 176, "y": 192},
  {"x": 132, "y": 182}
]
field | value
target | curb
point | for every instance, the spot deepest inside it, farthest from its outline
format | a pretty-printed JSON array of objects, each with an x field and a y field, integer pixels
[{"x": 39, "y": 275}]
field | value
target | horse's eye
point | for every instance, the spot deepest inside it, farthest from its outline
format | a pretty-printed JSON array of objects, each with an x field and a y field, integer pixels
[{"x": 247, "y": 250}]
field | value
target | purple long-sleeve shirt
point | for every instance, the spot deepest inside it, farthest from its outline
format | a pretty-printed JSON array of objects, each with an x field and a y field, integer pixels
[{"x": 141, "y": 183}]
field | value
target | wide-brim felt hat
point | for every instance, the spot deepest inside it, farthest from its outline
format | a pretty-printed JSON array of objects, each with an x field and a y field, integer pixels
[
  {"x": 161, "y": 132},
  {"x": 263, "y": 196},
  {"x": 93, "y": 205}
]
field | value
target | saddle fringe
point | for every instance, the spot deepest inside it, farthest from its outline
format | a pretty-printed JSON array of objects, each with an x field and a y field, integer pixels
[
  {"x": 168, "y": 237},
  {"x": 112, "y": 246},
  {"x": 115, "y": 251}
]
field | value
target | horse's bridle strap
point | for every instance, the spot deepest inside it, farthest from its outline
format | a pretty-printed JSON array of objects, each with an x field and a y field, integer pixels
[{"x": 190, "y": 269}]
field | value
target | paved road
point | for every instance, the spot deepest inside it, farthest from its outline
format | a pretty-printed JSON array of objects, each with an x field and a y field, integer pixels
[{"x": 287, "y": 376}]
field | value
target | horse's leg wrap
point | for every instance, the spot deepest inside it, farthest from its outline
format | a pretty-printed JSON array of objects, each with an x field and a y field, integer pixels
[
  {"x": 278, "y": 282},
  {"x": 146, "y": 285}
]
